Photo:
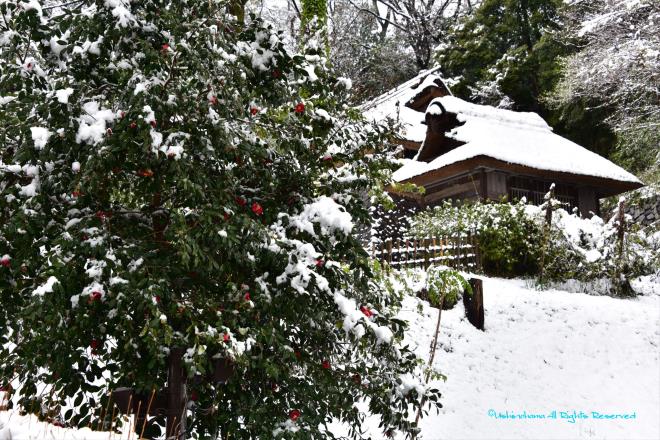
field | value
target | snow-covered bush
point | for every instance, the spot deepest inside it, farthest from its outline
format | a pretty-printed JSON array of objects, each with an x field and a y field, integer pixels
[
  {"x": 172, "y": 179},
  {"x": 505, "y": 234},
  {"x": 445, "y": 286},
  {"x": 512, "y": 241}
]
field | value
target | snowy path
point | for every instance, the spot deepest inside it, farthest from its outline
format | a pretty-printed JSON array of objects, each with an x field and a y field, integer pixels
[{"x": 543, "y": 352}]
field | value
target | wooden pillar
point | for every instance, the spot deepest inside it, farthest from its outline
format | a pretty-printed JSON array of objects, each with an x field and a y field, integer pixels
[
  {"x": 474, "y": 304},
  {"x": 587, "y": 202},
  {"x": 176, "y": 411}
]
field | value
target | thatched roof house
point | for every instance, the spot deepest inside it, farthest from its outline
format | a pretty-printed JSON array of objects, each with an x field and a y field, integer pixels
[{"x": 459, "y": 150}]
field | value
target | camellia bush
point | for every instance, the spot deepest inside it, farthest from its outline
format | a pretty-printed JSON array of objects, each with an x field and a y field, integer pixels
[{"x": 175, "y": 181}]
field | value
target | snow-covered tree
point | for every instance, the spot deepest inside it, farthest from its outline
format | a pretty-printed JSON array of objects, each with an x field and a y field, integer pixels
[
  {"x": 618, "y": 65},
  {"x": 175, "y": 181}
]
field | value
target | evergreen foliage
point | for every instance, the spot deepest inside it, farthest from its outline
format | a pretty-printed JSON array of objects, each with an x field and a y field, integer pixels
[{"x": 172, "y": 178}]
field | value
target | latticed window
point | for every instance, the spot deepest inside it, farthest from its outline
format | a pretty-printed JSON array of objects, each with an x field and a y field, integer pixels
[{"x": 534, "y": 190}]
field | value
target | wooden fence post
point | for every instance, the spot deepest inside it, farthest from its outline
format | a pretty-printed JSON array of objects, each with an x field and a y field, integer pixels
[
  {"x": 474, "y": 304},
  {"x": 176, "y": 411},
  {"x": 546, "y": 229}
]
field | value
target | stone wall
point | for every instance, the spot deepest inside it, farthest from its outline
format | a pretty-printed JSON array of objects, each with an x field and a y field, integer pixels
[{"x": 645, "y": 211}]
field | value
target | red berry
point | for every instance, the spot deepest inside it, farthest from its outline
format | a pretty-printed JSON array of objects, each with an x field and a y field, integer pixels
[
  {"x": 319, "y": 263},
  {"x": 254, "y": 111},
  {"x": 326, "y": 365},
  {"x": 226, "y": 337},
  {"x": 257, "y": 209},
  {"x": 368, "y": 313},
  {"x": 241, "y": 201},
  {"x": 300, "y": 108},
  {"x": 247, "y": 296},
  {"x": 294, "y": 414},
  {"x": 133, "y": 125}
]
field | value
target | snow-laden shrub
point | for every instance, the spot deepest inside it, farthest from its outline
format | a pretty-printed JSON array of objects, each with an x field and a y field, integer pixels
[
  {"x": 513, "y": 241},
  {"x": 506, "y": 235},
  {"x": 445, "y": 286}
]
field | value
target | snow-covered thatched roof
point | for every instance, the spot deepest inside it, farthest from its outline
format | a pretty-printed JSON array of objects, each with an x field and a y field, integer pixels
[
  {"x": 395, "y": 104},
  {"x": 512, "y": 137}
]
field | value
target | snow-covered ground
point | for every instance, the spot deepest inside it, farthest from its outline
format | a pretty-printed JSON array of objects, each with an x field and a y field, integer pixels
[
  {"x": 543, "y": 353},
  {"x": 546, "y": 351}
]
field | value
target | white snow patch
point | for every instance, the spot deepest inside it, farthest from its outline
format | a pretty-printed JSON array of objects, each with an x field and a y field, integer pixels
[
  {"x": 47, "y": 287},
  {"x": 40, "y": 136}
]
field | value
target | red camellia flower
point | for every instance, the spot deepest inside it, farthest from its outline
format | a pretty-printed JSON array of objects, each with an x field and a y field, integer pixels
[
  {"x": 257, "y": 209},
  {"x": 145, "y": 173},
  {"x": 95, "y": 296},
  {"x": 194, "y": 396},
  {"x": 247, "y": 296},
  {"x": 5, "y": 261},
  {"x": 133, "y": 125},
  {"x": 157, "y": 299},
  {"x": 102, "y": 215},
  {"x": 326, "y": 365},
  {"x": 122, "y": 114},
  {"x": 95, "y": 344},
  {"x": 76, "y": 194},
  {"x": 294, "y": 414},
  {"x": 213, "y": 100},
  {"x": 319, "y": 263},
  {"x": 300, "y": 108},
  {"x": 241, "y": 201},
  {"x": 254, "y": 111},
  {"x": 153, "y": 123},
  {"x": 327, "y": 158},
  {"x": 227, "y": 216},
  {"x": 368, "y": 313},
  {"x": 165, "y": 47},
  {"x": 276, "y": 73},
  {"x": 108, "y": 131},
  {"x": 226, "y": 337}
]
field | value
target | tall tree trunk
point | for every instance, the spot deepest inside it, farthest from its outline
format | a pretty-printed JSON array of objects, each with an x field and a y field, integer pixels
[{"x": 237, "y": 8}]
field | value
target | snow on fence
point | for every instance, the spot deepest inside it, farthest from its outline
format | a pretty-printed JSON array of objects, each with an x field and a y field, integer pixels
[{"x": 460, "y": 252}]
